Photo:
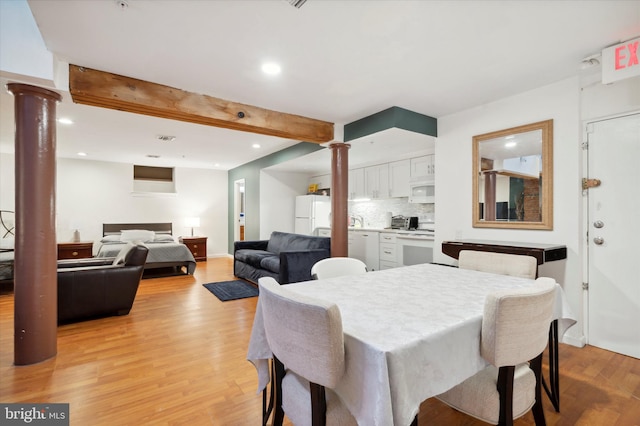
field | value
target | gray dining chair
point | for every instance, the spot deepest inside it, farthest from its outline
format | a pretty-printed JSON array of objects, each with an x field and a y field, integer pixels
[
  {"x": 337, "y": 267},
  {"x": 305, "y": 335},
  {"x": 514, "y": 331},
  {"x": 499, "y": 263}
]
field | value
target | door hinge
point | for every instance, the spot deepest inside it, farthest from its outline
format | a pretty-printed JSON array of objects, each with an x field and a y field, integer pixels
[
  {"x": 590, "y": 183},
  {"x": 585, "y": 286},
  {"x": 585, "y": 146}
]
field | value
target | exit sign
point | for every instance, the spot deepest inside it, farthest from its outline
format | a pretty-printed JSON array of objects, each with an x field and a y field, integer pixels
[{"x": 620, "y": 61}]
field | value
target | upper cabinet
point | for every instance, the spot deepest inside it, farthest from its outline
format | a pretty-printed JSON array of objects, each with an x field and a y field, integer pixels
[
  {"x": 382, "y": 181},
  {"x": 376, "y": 181},
  {"x": 399, "y": 173},
  {"x": 356, "y": 184},
  {"x": 423, "y": 168}
]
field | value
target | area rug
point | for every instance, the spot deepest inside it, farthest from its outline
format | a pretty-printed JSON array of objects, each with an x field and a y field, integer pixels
[{"x": 232, "y": 290}]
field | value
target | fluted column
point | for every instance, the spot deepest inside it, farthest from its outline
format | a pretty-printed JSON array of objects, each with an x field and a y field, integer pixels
[
  {"x": 339, "y": 196},
  {"x": 35, "y": 279}
]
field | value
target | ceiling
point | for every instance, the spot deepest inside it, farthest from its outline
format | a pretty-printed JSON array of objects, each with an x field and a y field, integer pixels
[{"x": 341, "y": 61}]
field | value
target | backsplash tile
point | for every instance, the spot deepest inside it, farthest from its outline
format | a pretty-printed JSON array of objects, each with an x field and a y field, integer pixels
[{"x": 373, "y": 212}]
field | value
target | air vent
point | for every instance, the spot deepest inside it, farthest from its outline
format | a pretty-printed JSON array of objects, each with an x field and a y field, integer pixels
[
  {"x": 297, "y": 3},
  {"x": 166, "y": 138}
]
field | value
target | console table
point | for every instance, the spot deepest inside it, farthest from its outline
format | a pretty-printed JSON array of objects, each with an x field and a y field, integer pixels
[{"x": 543, "y": 253}]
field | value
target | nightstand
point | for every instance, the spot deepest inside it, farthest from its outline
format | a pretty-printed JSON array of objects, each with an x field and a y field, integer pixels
[
  {"x": 197, "y": 246},
  {"x": 80, "y": 250}
]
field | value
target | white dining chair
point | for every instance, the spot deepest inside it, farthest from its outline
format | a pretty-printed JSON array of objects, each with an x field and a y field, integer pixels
[
  {"x": 514, "y": 331},
  {"x": 337, "y": 267},
  {"x": 305, "y": 335},
  {"x": 499, "y": 263}
]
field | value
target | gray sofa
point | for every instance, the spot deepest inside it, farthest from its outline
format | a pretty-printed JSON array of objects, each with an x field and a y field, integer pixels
[{"x": 286, "y": 257}]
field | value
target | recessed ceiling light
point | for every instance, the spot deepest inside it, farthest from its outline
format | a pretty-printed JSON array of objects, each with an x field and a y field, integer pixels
[
  {"x": 256, "y": 145},
  {"x": 510, "y": 144},
  {"x": 82, "y": 154},
  {"x": 166, "y": 138},
  {"x": 152, "y": 156},
  {"x": 271, "y": 68},
  {"x": 65, "y": 121}
]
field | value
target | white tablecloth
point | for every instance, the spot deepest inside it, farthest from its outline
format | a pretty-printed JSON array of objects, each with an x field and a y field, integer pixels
[{"x": 410, "y": 333}]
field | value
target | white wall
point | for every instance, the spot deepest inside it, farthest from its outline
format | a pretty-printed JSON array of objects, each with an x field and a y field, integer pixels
[
  {"x": 277, "y": 200},
  {"x": 569, "y": 103},
  {"x": 560, "y": 102},
  {"x": 90, "y": 193}
]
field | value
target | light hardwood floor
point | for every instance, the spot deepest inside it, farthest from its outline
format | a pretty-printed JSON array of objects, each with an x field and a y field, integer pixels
[{"x": 179, "y": 358}]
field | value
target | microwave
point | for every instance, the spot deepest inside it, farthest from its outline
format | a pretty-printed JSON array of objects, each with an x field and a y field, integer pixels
[{"x": 422, "y": 192}]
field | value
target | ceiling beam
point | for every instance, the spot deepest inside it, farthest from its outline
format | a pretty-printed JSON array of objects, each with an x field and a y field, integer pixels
[{"x": 106, "y": 90}]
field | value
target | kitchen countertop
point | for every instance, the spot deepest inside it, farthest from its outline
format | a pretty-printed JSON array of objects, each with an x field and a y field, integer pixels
[{"x": 388, "y": 230}]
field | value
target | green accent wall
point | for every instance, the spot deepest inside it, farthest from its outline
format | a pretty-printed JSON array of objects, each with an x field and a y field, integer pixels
[
  {"x": 391, "y": 117},
  {"x": 250, "y": 172}
]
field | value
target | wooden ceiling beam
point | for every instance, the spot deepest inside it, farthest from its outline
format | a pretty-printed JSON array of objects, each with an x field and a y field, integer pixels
[{"x": 107, "y": 90}]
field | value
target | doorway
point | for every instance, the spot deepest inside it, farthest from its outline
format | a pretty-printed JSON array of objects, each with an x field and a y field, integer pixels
[
  {"x": 613, "y": 231},
  {"x": 239, "y": 210}
]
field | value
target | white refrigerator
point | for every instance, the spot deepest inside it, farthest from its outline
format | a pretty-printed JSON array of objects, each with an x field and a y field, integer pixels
[{"x": 312, "y": 211}]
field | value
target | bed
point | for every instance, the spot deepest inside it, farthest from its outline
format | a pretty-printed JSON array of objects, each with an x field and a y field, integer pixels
[
  {"x": 164, "y": 251},
  {"x": 7, "y": 238}
]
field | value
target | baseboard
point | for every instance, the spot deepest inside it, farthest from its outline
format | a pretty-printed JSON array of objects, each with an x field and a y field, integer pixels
[{"x": 577, "y": 341}]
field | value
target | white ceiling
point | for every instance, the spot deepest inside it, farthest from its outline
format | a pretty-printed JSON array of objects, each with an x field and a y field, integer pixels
[{"x": 341, "y": 61}]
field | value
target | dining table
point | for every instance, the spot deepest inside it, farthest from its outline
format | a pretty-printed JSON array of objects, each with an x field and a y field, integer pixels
[{"x": 410, "y": 333}]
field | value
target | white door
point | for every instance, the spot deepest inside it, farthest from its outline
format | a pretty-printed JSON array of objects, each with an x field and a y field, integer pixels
[{"x": 614, "y": 235}]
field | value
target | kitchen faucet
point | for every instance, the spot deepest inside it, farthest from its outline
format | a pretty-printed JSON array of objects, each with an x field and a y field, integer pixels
[{"x": 355, "y": 219}]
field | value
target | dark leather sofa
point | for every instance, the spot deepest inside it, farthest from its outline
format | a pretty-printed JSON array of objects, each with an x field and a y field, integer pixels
[
  {"x": 93, "y": 288},
  {"x": 286, "y": 257}
]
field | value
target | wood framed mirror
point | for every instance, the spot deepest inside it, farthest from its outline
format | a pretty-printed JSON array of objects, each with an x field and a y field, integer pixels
[{"x": 513, "y": 178}]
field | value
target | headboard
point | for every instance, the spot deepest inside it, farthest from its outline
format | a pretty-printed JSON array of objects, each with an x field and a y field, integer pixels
[{"x": 158, "y": 228}]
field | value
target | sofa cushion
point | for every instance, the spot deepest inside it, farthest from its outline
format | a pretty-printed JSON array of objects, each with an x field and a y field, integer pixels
[
  {"x": 271, "y": 263},
  {"x": 283, "y": 241},
  {"x": 252, "y": 257}
]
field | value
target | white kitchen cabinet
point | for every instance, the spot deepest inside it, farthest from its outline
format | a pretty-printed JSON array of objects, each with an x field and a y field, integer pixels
[
  {"x": 423, "y": 168},
  {"x": 376, "y": 181},
  {"x": 323, "y": 181},
  {"x": 388, "y": 254},
  {"x": 364, "y": 245},
  {"x": 356, "y": 184},
  {"x": 399, "y": 176},
  {"x": 324, "y": 232}
]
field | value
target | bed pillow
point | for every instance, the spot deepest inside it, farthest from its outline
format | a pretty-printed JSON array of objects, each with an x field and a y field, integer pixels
[
  {"x": 122, "y": 254},
  {"x": 163, "y": 238},
  {"x": 134, "y": 235},
  {"x": 110, "y": 239}
]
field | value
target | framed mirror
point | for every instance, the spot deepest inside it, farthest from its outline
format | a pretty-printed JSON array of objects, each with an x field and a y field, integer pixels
[{"x": 513, "y": 178}]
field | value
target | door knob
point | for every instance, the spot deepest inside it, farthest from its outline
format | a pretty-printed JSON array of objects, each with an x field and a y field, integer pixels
[
  {"x": 598, "y": 224},
  {"x": 598, "y": 240}
]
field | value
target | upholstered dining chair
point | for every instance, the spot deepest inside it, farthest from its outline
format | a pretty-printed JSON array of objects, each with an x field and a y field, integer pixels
[
  {"x": 514, "y": 331},
  {"x": 499, "y": 263},
  {"x": 337, "y": 267},
  {"x": 305, "y": 335}
]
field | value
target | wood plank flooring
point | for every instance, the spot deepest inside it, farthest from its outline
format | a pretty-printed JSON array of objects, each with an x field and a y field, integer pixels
[{"x": 179, "y": 358}]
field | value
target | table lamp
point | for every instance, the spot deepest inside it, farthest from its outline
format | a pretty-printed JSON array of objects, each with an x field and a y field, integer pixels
[{"x": 192, "y": 222}]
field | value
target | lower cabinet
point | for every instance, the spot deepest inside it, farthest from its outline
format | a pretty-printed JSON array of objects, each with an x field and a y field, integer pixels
[
  {"x": 388, "y": 254},
  {"x": 364, "y": 245},
  {"x": 324, "y": 232}
]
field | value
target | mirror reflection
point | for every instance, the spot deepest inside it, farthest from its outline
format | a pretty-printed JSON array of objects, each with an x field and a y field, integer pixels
[{"x": 512, "y": 177}]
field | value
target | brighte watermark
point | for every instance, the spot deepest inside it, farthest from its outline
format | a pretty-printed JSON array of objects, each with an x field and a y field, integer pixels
[{"x": 36, "y": 414}]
